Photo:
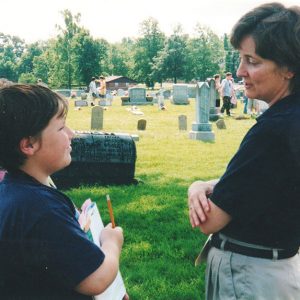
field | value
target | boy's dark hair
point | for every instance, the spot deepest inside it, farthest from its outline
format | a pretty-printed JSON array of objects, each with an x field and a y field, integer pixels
[
  {"x": 25, "y": 110},
  {"x": 276, "y": 33},
  {"x": 228, "y": 74}
]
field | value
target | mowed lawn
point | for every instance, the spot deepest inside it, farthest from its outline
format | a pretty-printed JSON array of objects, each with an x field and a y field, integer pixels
[{"x": 160, "y": 246}]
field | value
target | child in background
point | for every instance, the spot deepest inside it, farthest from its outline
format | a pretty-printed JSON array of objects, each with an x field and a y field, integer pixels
[{"x": 44, "y": 254}]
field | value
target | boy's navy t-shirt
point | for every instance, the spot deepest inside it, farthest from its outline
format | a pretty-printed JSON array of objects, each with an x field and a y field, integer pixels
[{"x": 44, "y": 253}]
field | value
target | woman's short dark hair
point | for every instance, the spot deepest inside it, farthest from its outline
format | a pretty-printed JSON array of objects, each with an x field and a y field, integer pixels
[
  {"x": 25, "y": 110},
  {"x": 276, "y": 33}
]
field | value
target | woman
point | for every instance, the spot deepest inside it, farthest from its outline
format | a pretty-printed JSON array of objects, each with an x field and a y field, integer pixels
[{"x": 253, "y": 210}]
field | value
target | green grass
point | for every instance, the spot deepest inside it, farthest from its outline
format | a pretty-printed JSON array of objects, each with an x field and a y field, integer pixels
[{"x": 160, "y": 246}]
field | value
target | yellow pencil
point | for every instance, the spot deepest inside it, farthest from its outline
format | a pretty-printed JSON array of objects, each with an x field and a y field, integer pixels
[{"x": 111, "y": 213}]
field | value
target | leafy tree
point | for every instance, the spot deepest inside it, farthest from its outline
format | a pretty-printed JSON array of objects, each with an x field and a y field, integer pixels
[
  {"x": 119, "y": 60},
  {"x": 87, "y": 56},
  {"x": 26, "y": 61},
  {"x": 63, "y": 47},
  {"x": 27, "y": 78},
  {"x": 147, "y": 48},
  {"x": 11, "y": 50},
  {"x": 170, "y": 62},
  {"x": 232, "y": 57},
  {"x": 205, "y": 54}
]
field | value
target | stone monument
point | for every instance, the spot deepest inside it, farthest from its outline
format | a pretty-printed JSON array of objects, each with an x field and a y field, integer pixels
[
  {"x": 214, "y": 112},
  {"x": 180, "y": 94},
  {"x": 201, "y": 128},
  {"x": 97, "y": 118}
]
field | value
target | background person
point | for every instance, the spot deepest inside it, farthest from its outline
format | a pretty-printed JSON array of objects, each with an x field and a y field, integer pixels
[
  {"x": 44, "y": 254},
  {"x": 102, "y": 88},
  {"x": 253, "y": 211},
  {"x": 226, "y": 91},
  {"x": 217, "y": 79}
]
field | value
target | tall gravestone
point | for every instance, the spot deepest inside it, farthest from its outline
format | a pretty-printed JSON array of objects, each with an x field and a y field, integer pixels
[
  {"x": 180, "y": 94},
  {"x": 161, "y": 99},
  {"x": 97, "y": 118},
  {"x": 182, "y": 122},
  {"x": 214, "y": 112},
  {"x": 201, "y": 128}
]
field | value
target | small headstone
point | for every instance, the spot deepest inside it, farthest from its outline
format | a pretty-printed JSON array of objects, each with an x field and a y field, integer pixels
[
  {"x": 182, "y": 122},
  {"x": 141, "y": 124},
  {"x": 167, "y": 94},
  {"x": 120, "y": 92},
  {"x": 97, "y": 118},
  {"x": 221, "y": 124},
  {"x": 79, "y": 103},
  {"x": 83, "y": 96}
]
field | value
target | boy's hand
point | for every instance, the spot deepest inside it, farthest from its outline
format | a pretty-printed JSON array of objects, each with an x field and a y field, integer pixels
[{"x": 112, "y": 235}]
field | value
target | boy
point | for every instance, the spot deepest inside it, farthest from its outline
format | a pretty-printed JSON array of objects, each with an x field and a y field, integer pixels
[{"x": 44, "y": 254}]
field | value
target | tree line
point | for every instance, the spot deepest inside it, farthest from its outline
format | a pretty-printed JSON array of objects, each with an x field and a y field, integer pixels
[{"x": 74, "y": 56}]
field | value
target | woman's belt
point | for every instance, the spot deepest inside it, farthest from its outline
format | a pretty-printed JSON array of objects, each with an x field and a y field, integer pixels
[{"x": 225, "y": 243}]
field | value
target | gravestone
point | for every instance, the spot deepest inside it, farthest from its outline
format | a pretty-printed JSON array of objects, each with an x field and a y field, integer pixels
[
  {"x": 221, "y": 124},
  {"x": 192, "y": 91},
  {"x": 64, "y": 92},
  {"x": 214, "y": 112},
  {"x": 80, "y": 103},
  {"x": 107, "y": 101},
  {"x": 180, "y": 94},
  {"x": 161, "y": 100},
  {"x": 84, "y": 96},
  {"x": 182, "y": 122},
  {"x": 167, "y": 94},
  {"x": 99, "y": 158},
  {"x": 120, "y": 92},
  {"x": 201, "y": 128},
  {"x": 97, "y": 118},
  {"x": 141, "y": 125},
  {"x": 137, "y": 96},
  {"x": 154, "y": 97}
]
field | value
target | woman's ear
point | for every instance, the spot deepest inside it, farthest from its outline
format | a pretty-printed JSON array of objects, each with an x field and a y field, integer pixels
[{"x": 28, "y": 146}]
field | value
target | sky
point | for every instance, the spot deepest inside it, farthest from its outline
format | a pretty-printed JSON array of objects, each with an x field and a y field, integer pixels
[{"x": 34, "y": 20}]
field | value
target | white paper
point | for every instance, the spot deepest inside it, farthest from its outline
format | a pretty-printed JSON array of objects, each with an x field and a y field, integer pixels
[{"x": 116, "y": 290}]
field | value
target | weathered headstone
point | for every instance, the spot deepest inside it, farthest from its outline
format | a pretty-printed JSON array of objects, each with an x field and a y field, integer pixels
[
  {"x": 137, "y": 96},
  {"x": 201, "y": 128},
  {"x": 221, "y": 124},
  {"x": 79, "y": 103},
  {"x": 180, "y": 94},
  {"x": 192, "y": 90},
  {"x": 65, "y": 93},
  {"x": 161, "y": 99},
  {"x": 141, "y": 125},
  {"x": 99, "y": 158},
  {"x": 167, "y": 94},
  {"x": 97, "y": 118},
  {"x": 120, "y": 92},
  {"x": 83, "y": 96},
  {"x": 107, "y": 101},
  {"x": 214, "y": 112},
  {"x": 182, "y": 122}
]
